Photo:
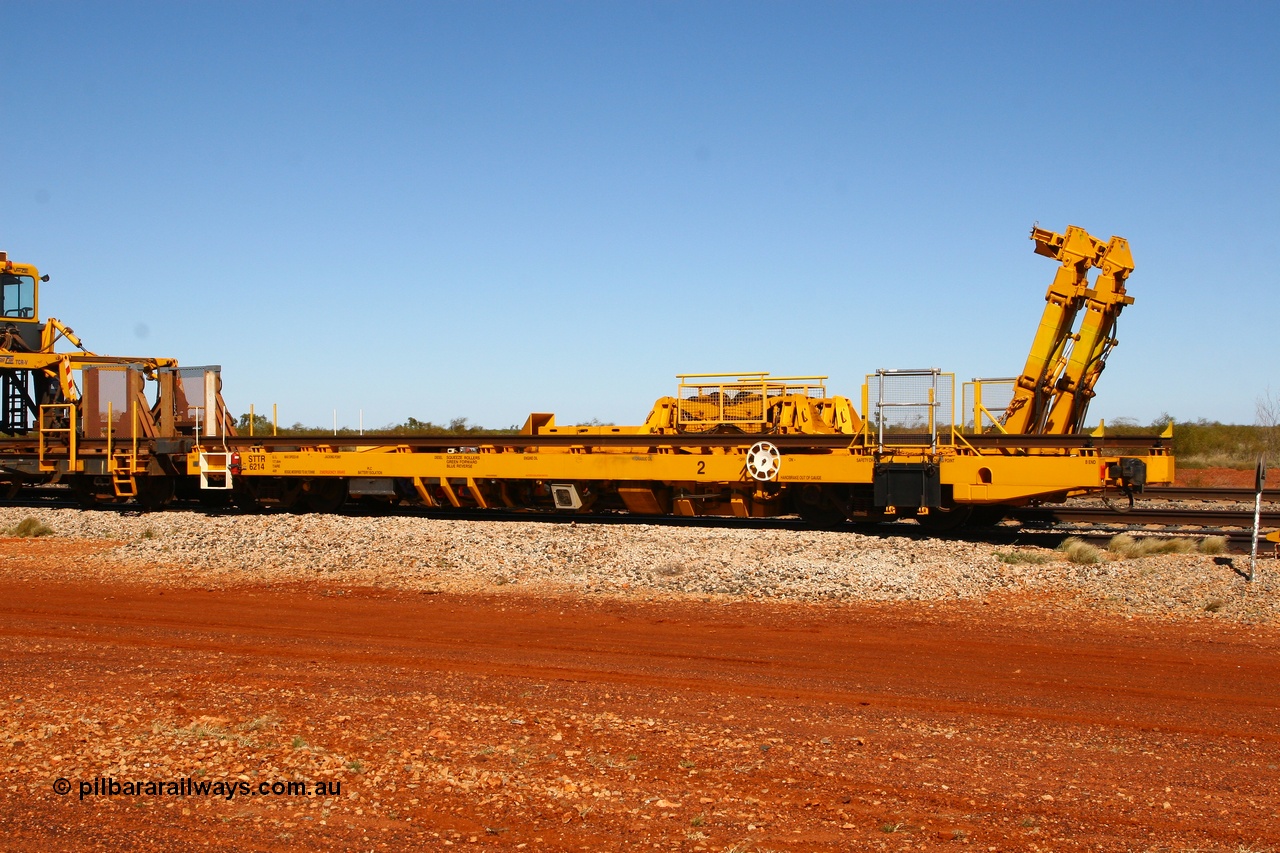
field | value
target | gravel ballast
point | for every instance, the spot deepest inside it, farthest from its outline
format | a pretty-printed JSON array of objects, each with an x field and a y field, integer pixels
[{"x": 183, "y": 547}]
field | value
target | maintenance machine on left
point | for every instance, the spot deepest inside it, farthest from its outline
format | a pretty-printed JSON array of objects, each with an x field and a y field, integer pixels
[{"x": 111, "y": 427}]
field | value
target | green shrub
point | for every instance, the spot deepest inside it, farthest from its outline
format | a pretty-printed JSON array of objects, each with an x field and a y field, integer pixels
[
  {"x": 1203, "y": 443},
  {"x": 458, "y": 427}
]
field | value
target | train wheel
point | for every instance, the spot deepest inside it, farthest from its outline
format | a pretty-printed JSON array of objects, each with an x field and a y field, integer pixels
[
  {"x": 154, "y": 492},
  {"x": 326, "y": 495},
  {"x": 86, "y": 495},
  {"x": 987, "y": 516},
  {"x": 945, "y": 519},
  {"x": 818, "y": 506},
  {"x": 820, "y": 515},
  {"x": 215, "y": 498}
]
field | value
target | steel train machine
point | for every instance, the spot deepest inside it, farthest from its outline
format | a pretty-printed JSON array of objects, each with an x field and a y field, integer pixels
[{"x": 746, "y": 444}]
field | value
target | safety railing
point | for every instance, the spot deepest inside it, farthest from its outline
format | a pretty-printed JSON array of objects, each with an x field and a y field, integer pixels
[
  {"x": 984, "y": 405},
  {"x": 739, "y": 399},
  {"x": 913, "y": 409}
]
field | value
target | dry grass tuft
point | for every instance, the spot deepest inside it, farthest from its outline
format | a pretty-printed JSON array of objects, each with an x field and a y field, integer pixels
[
  {"x": 1124, "y": 545},
  {"x": 1016, "y": 557},
  {"x": 30, "y": 527},
  {"x": 1213, "y": 545},
  {"x": 1079, "y": 551}
]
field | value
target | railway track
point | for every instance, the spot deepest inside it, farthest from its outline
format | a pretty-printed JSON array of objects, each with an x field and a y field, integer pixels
[
  {"x": 1142, "y": 517},
  {"x": 1043, "y": 525},
  {"x": 1219, "y": 495}
]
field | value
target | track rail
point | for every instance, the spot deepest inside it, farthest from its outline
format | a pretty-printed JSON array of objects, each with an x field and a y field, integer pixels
[
  {"x": 1223, "y": 495},
  {"x": 1043, "y": 525},
  {"x": 1043, "y": 533},
  {"x": 1039, "y": 516},
  {"x": 1139, "y": 517}
]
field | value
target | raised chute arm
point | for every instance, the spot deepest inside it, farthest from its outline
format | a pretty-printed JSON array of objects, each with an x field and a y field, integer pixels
[
  {"x": 1052, "y": 393},
  {"x": 1103, "y": 303}
]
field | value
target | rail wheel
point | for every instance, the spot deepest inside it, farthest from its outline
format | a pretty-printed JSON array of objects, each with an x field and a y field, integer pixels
[
  {"x": 945, "y": 519},
  {"x": 987, "y": 516},
  {"x": 820, "y": 516},
  {"x": 325, "y": 495},
  {"x": 818, "y": 508},
  {"x": 215, "y": 499},
  {"x": 245, "y": 499},
  {"x": 85, "y": 493},
  {"x": 154, "y": 492},
  {"x": 253, "y": 494}
]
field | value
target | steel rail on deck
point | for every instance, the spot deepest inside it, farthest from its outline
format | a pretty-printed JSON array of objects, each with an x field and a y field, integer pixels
[{"x": 794, "y": 443}]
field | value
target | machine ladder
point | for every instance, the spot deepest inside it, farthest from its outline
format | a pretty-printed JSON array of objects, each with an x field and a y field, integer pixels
[{"x": 51, "y": 449}]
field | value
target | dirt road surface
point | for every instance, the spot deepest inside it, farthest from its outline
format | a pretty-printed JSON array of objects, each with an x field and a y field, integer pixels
[{"x": 514, "y": 721}]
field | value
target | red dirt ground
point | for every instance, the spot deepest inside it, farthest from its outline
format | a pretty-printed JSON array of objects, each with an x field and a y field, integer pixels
[
  {"x": 515, "y": 722},
  {"x": 1227, "y": 478}
]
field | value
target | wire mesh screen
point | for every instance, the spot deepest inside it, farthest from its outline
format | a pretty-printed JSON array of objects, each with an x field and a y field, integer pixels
[
  {"x": 737, "y": 398},
  {"x": 734, "y": 403},
  {"x": 109, "y": 394},
  {"x": 189, "y": 403},
  {"x": 913, "y": 407},
  {"x": 983, "y": 405}
]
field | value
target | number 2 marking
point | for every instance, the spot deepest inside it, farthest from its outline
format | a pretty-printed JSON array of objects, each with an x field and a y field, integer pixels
[{"x": 702, "y": 467}]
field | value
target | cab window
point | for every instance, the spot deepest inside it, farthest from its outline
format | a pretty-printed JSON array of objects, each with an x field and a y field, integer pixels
[{"x": 17, "y": 297}]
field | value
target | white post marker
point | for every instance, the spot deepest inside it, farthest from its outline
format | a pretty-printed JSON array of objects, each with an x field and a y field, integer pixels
[{"x": 1257, "y": 514}]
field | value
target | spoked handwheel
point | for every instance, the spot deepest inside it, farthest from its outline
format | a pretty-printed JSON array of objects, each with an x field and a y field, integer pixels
[{"x": 763, "y": 461}]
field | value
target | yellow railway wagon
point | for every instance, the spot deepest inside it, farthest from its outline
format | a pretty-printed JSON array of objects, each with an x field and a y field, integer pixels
[
  {"x": 739, "y": 444},
  {"x": 903, "y": 456}
]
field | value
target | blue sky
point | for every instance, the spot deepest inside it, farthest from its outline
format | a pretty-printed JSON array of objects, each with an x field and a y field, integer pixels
[{"x": 485, "y": 209}]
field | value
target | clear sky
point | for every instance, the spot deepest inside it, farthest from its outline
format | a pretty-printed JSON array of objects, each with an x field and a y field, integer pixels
[{"x": 482, "y": 209}]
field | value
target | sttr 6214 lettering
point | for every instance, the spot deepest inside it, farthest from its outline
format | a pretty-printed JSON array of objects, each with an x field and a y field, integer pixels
[{"x": 109, "y": 786}]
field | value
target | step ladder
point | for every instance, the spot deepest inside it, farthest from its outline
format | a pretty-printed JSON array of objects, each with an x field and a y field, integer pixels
[
  {"x": 122, "y": 479},
  {"x": 13, "y": 403},
  {"x": 57, "y": 443}
]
